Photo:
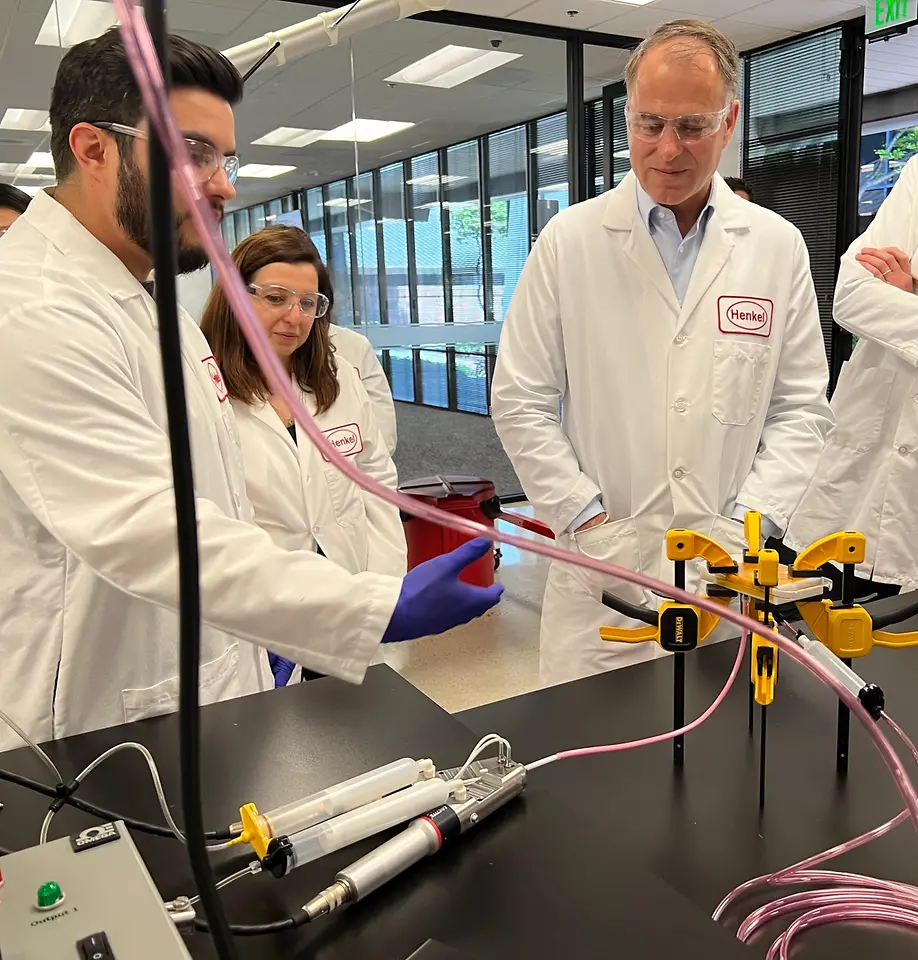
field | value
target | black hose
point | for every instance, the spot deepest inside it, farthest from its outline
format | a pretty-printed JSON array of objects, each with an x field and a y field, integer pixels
[
  {"x": 891, "y": 617},
  {"x": 630, "y": 610},
  {"x": 107, "y": 815},
  {"x": 163, "y": 248},
  {"x": 258, "y": 929}
]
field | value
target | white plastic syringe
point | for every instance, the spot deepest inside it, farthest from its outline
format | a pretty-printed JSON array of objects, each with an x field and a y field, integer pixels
[
  {"x": 288, "y": 853},
  {"x": 259, "y": 829}
]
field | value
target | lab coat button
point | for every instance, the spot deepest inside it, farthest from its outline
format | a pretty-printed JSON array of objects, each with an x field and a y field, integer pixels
[
  {"x": 678, "y": 473},
  {"x": 680, "y": 338},
  {"x": 680, "y": 406},
  {"x": 903, "y": 450},
  {"x": 315, "y": 531}
]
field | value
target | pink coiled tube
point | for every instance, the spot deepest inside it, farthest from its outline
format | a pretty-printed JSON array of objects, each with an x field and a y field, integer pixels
[{"x": 145, "y": 65}]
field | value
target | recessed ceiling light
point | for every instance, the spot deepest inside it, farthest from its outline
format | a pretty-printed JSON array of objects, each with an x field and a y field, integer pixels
[
  {"x": 43, "y": 161},
  {"x": 16, "y": 119},
  {"x": 264, "y": 171},
  {"x": 69, "y": 22},
  {"x": 431, "y": 180},
  {"x": 289, "y": 137},
  {"x": 366, "y": 131},
  {"x": 451, "y": 66}
]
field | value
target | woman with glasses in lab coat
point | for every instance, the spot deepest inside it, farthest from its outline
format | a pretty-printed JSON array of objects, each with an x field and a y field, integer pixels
[{"x": 299, "y": 498}]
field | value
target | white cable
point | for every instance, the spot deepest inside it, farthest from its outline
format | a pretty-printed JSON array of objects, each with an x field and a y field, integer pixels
[
  {"x": 157, "y": 786},
  {"x": 486, "y": 741},
  {"x": 34, "y": 747},
  {"x": 544, "y": 762},
  {"x": 253, "y": 868}
]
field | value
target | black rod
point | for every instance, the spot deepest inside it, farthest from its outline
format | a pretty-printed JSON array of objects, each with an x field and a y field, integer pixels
[
  {"x": 163, "y": 249},
  {"x": 842, "y": 746},
  {"x": 679, "y": 681},
  {"x": 576, "y": 126}
]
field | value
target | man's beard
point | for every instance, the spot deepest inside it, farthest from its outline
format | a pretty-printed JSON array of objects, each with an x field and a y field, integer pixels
[{"x": 132, "y": 214}]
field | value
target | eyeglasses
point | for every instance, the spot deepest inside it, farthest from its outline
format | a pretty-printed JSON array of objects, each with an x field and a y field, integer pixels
[
  {"x": 690, "y": 128},
  {"x": 207, "y": 161},
  {"x": 281, "y": 300}
]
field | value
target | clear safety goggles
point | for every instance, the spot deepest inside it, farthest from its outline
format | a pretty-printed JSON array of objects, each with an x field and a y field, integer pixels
[
  {"x": 207, "y": 161},
  {"x": 282, "y": 300},
  {"x": 690, "y": 128}
]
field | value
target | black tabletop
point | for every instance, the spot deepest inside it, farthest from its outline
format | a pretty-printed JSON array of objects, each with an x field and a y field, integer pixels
[
  {"x": 530, "y": 882},
  {"x": 700, "y": 829}
]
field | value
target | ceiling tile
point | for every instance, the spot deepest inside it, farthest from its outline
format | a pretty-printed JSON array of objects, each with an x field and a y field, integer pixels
[
  {"x": 590, "y": 13},
  {"x": 490, "y": 8},
  {"x": 747, "y": 36},
  {"x": 638, "y": 21},
  {"x": 711, "y": 9},
  {"x": 793, "y": 15}
]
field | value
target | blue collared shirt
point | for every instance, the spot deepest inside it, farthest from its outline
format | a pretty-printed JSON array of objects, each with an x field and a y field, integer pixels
[{"x": 679, "y": 254}]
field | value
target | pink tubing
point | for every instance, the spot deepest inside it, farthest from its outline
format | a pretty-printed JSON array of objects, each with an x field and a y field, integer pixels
[
  {"x": 145, "y": 65},
  {"x": 661, "y": 737}
]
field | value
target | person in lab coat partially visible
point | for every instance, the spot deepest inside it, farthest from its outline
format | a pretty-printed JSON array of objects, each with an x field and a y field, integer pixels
[
  {"x": 662, "y": 363},
  {"x": 13, "y": 204},
  {"x": 88, "y": 588},
  {"x": 357, "y": 350},
  {"x": 867, "y": 477},
  {"x": 303, "y": 501}
]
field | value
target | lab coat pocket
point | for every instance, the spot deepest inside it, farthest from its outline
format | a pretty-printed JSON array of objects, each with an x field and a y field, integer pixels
[
  {"x": 738, "y": 374},
  {"x": 346, "y": 498},
  {"x": 859, "y": 404},
  {"x": 219, "y": 680},
  {"x": 731, "y": 535},
  {"x": 615, "y": 541}
]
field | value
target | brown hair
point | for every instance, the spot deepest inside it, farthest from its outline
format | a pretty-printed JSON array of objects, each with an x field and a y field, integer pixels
[{"x": 313, "y": 364}]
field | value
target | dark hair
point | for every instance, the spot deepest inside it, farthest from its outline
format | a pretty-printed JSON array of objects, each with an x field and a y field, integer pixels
[
  {"x": 12, "y": 198},
  {"x": 313, "y": 364},
  {"x": 735, "y": 183},
  {"x": 94, "y": 82}
]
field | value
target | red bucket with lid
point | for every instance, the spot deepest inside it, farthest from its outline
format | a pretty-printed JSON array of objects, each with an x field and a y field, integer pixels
[{"x": 463, "y": 496}]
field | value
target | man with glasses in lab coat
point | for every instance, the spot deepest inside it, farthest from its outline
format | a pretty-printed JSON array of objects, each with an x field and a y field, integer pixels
[{"x": 662, "y": 363}]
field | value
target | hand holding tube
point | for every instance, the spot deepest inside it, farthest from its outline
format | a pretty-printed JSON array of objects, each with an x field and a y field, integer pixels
[{"x": 434, "y": 599}]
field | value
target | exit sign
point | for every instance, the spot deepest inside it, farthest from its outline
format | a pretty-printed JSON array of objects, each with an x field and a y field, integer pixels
[{"x": 889, "y": 16}]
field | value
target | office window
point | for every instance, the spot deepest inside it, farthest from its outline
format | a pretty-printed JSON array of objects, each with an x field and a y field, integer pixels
[
  {"x": 339, "y": 253},
  {"x": 228, "y": 227},
  {"x": 466, "y": 241},
  {"x": 434, "y": 391},
  {"x": 363, "y": 226},
  {"x": 273, "y": 211},
  {"x": 549, "y": 151},
  {"x": 288, "y": 203},
  {"x": 257, "y": 213},
  {"x": 471, "y": 378},
  {"x": 596, "y": 148},
  {"x": 390, "y": 208},
  {"x": 791, "y": 157},
  {"x": 242, "y": 224},
  {"x": 315, "y": 220},
  {"x": 401, "y": 375},
  {"x": 508, "y": 214},
  {"x": 426, "y": 221}
]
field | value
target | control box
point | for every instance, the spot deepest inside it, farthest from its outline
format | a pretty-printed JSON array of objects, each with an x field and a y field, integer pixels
[{"x": 87, "y": 897}]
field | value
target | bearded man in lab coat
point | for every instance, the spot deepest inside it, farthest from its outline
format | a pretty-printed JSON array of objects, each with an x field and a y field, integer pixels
[
  {"x": 88, "y": 590},
  {"x": 662, "y": 363}
]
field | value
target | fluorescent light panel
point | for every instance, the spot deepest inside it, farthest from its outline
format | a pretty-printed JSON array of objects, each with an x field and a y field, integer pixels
[
  {"x": 451, "y": 66},
  {"x": 431, "y": 180},
  {"x": 366, "y": 131},
  {"x": 42, "y": 161},
  {"x": 557, "y": 148},
  {"x": 69, "y": 22},
  {"x": 264, "y": 171},
  {"x": 344, "y": 202},
  {"x": 289, "y": 137},
  {"x": 18, "y": 119}
]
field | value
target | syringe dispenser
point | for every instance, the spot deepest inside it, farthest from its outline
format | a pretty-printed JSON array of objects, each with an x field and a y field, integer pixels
[
  {"x": 259, "y": 829},
  {"x": 288, "y": 853}
]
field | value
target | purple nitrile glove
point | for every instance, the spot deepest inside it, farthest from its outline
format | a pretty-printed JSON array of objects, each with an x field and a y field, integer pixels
[
  {"x": 281, "y": 667},
  {"x": 433, "y": 598}
]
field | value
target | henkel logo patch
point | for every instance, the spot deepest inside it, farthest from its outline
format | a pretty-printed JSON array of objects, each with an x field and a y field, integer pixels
[
  {"x": 751, "y": 316},
  {"x": 347, "y": 440},
  {"x": 216, "y": 378}
]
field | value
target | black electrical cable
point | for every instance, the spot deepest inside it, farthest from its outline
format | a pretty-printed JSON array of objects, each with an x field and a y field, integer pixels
[
  {"x": 630, "y": 610},
  {"x": 106, "y": 815},
  {"x": 259, "y": 929},
  {"x": 890, "y": 617},
  {"x": 163, "y": 248}
]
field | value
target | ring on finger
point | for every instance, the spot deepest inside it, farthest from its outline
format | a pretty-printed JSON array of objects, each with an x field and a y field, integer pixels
[{"x": 887, "y": 270}]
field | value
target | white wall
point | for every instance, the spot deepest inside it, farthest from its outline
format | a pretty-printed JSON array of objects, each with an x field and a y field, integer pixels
[{"x": 193, "y": 290}]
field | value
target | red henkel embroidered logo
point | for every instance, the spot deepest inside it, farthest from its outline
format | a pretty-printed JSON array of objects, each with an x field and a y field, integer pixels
[
  {"x": 216, "y": 378},
  {"x": 745, "y": 315},
  {"x": 347, "y": 439}
]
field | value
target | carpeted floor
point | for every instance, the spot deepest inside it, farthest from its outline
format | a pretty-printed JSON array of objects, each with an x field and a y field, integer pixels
[{"x": 432, "y": 442}]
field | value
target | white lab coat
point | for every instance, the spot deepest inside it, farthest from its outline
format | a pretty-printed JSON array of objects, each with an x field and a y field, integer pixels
[
  {"x": 867, "y": 477},
  {"x": 359, "y": 353},
  {"x": 87, "y": 528},
  {"x": 301, "y": 499},
  {"x": 672, "y": 414}
]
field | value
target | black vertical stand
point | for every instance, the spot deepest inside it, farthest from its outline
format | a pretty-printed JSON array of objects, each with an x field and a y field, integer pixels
[
  {"x": 679, "y": 684},
  {"x": 763, "y": 713},
  {"x": 844, "y": 716}
]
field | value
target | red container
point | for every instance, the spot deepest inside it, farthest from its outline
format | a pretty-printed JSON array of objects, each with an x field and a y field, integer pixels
[{"x": 463, "y": 496}]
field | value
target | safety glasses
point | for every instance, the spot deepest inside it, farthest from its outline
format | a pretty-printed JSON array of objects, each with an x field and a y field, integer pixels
[
  {"x": 690, "y": 128},
  {"x": 281, "y": 300},
  {"x": 207, "y": 161}
]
